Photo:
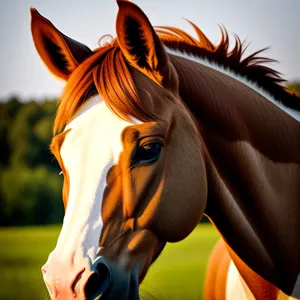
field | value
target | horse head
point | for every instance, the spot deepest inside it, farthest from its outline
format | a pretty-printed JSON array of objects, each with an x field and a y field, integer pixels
[{"x": 130, "y": 154}]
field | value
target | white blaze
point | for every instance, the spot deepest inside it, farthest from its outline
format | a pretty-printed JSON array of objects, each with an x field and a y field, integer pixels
[{"x": 89, "y": 150}]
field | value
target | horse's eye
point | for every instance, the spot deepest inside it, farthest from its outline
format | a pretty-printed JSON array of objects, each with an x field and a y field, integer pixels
[{"x": 148, "y": 153}]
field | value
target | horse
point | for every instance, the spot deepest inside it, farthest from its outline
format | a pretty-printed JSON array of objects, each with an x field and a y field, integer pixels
[{"x": 156, "y": 128}]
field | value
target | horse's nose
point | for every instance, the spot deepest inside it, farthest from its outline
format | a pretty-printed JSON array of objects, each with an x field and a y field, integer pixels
[
  {"x": 103, "y": 278},
  {"x": 99, "y": 280},
  {"x": 62, "y": 279},
  {"x": 65, "y": 281}
]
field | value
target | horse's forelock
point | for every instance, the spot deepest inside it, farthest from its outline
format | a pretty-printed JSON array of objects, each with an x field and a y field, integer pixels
[{"x": 106, "y": 72}]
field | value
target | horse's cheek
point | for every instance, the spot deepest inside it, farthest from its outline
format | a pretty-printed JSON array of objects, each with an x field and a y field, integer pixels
[
  {"x": 177, "y": 220},
  {"x": 184, "y": 194}
]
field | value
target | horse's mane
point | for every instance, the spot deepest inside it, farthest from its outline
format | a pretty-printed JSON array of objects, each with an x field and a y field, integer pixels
[
  {"x": 251, "y": 67},
  {"x": 107, "y": 72}
]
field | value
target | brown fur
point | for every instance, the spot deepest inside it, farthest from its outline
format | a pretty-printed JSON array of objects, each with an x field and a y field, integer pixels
[
  {"x": 55, "y": 146},
  {"x": 248, "y": 162}
]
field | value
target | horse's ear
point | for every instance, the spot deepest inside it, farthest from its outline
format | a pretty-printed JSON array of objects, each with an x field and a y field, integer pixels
[
  {"x": 60, "y": 53},
  {"x": 141, "y": 46}
]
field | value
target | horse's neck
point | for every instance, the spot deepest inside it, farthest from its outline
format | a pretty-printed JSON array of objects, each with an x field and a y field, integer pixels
[{"x": 253, "y": 170}]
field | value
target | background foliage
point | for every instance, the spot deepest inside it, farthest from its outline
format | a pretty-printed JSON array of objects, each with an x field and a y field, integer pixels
[{"x": 30, "y": 187}]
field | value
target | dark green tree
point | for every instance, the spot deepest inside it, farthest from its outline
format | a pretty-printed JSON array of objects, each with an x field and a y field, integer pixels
[
  {"x": 30, "y": 188},
  {"x": 8, "y": 112},
  {"x": 31, "y": 196}
]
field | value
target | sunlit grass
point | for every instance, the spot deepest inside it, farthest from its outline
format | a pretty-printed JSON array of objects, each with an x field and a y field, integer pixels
[{"x": 177, "y": 274}]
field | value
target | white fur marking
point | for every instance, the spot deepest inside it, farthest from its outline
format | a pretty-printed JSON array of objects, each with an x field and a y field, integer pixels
[
  {"x": 252, "y": 85},
  {"x": 236, "y": 288},
  {"x": 90, "y": 149}
]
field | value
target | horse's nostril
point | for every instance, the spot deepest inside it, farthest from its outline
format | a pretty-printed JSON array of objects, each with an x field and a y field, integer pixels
[
  {"x": 76, "y": 280},
  {"x": 98, "y": 282}
]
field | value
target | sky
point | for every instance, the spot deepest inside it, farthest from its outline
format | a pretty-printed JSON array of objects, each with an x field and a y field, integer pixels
[{"x": 272, "y": 23}]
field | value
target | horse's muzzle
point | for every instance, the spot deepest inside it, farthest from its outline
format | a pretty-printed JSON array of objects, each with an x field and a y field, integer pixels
[{"x": 103, "y": 280}]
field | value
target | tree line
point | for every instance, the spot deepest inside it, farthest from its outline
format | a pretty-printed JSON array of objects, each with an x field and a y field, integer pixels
[{"x": 30, "y": 185}]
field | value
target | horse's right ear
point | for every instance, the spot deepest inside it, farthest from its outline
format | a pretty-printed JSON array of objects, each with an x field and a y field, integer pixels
[
  {"x": 60, "y": 53},
  {"x": 142, "y": 47}
]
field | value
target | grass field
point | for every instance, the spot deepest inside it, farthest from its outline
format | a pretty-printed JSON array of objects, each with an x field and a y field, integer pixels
[{"x": 177, "y": 274}]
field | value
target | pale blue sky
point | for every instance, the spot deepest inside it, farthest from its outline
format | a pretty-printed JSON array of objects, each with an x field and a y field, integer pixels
[{"x": 274, "y": 23}]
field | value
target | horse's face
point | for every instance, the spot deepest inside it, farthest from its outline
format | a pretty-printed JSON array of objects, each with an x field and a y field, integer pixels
[{"x": 129, "y": 186}]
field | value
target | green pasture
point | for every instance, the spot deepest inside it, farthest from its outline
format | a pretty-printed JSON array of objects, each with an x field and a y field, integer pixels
[{"x": 177, "y": 274}]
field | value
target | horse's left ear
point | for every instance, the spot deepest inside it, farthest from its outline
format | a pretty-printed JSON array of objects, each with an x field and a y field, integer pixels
[
  {"x": 142, "y": 47},
  {"x": 60, "y": 53}
]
